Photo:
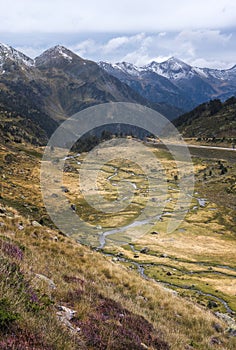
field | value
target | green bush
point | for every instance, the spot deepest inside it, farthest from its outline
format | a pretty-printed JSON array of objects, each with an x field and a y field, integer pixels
[{"x": 6, "y": 316}]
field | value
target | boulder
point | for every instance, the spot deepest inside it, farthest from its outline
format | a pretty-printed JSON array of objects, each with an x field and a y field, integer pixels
[
  {"x": 73, "y": 207},
  {"x": 65, "y": 315},
  {"x": 144, "y": 250},
  {"x": 50, "y": 282},
  {"x": 36, "y": 224}
]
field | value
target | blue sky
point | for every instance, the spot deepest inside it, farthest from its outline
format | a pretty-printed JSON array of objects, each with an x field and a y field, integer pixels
[{"x": 202, "y": 33}]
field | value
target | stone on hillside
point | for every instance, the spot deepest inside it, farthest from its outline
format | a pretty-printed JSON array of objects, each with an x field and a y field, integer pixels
[
  {"x": 73, "y": 207},
  {"x": 211, "y": 304},
  {"x": 36, "y": 224},
  {"x": 50, "y": 282},
  {"x": 2, "y": 210},
  {"x": 120, "y": 255},
  {"x": 215, "y": 341},
  {"x": 64, "y": 189},
  {"x": 144, "y": 250},
  {"x": 66, "y": 312},
  {"x": 65, "y": 315}
]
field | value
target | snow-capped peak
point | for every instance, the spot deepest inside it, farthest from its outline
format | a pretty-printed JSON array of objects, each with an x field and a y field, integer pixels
[
  {"x": 127, "y": 67},
  {"x": 121, "y": 67},
  {"x": 54, "y": 53},
  {"x": 172, "y": 69},
  {"x": 63, "y": 51},
  {"x": 8, "y": 53}
]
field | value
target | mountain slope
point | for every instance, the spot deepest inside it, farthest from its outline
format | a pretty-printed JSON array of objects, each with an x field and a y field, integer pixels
[
  {"x": 76, "y": 83},
  {"x": 213, "y": 119}
]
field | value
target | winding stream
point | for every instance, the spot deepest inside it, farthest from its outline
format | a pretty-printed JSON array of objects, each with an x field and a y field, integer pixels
[{"x": 172, "y": 286}]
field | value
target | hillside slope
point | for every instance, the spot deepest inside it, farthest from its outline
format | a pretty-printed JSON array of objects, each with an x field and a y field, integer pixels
[{"x": 213, "y": 119}]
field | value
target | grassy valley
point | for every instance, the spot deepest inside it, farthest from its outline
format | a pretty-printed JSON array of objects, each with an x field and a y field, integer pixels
[{"x": 162, "y": 291}]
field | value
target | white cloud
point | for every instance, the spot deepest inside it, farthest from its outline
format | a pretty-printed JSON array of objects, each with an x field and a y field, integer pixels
[
  {"x": 216, "y": 64},
  {"x": 201, "y": 47},
  {"x": 84, "y": 48},
  {"x": 29, "y": 51},
  {"x": 121, "y": 16},
  {"x": 115, "y": 43}
]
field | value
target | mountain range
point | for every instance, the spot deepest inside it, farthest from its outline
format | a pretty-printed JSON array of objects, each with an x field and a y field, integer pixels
[
  {"x": 59, "y": 83},
  {"x": 176, "y": 82},
  {"x": 37, "y": 95}
]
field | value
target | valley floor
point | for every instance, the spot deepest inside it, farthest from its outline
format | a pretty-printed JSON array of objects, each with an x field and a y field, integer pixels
[{"x": 143, "y": 285}]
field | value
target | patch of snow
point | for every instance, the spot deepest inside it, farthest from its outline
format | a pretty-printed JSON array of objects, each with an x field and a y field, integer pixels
[
  {"x": 201, "y": 72},
  {"x": 8, "y": 53},
  {"x": 64, "y": 54},
  {"x": 126, "y": 67}
]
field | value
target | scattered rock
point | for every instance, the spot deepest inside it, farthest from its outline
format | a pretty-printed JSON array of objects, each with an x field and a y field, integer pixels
[
  {"x": 217, "y": 327},
  {"x": 120, "y": 255},
  {"x": 144, "y": 250},
  {"x": 154, "y": 233},
  {"x": 215, "y": 341},
  {"x": 64, "y": 189},
  {"x": 2, "y": 210},
  {"x": 69, "y": 169},
  {"x": 229, "y": 321},
  {"x": 164, "y": 256},
  {"x": 211, "y": 304},
  {"x": 73, "y": 207},
  {"x": 66, "y": 312},
  {"x": 36, "y": 224},
  {"x": 54, "y": 195},
  {"x": 136, "y": 256},
  {"x": 50, "y": 282},
  {"x": 65, "y": 315},
  {"x": 144, "y": 346},
  {"x": 232, "y": 331},
  {"x": 169, "y": 273},
  {"x": 20, "y": 227}
]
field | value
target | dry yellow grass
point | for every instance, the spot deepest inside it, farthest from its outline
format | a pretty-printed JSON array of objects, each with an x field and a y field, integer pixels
[{"x": 181, "y": 322}]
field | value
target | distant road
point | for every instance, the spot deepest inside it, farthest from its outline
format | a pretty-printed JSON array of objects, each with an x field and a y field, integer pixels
[
  {"x": 210, "y": 152},
  {"x": 213, "y": 147},
  {"x": 194, "y": 146}
]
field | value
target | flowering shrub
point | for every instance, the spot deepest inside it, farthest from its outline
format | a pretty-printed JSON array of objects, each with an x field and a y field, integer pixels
[
  {"x": 111, "y": 326},
  {"x": 11, "y": 250},
  {"x": 23, "y": 341}
]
